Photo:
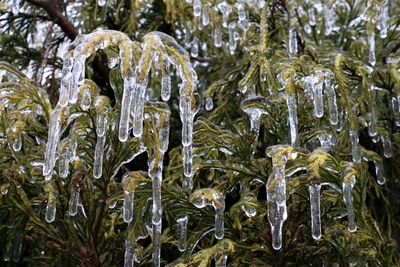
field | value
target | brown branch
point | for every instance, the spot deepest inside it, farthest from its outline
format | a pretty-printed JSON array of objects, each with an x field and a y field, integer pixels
[{"x": 54, "y": 9}]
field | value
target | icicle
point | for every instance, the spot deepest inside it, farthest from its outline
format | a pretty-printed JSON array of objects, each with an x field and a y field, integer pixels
[
  {"x": 293, "y": 124},
  {"x": 220, "y": 260},
  {"x": 315, "y": 190},
  {"x": 217, "y": 36},
  {"x": 182, "y": 232},
  {"x": 52, "y": 140},
  {"x": 292, "y": 42},
  {"x": 157, "y": 201},
  {"x": 232, "y": 41},
  {"x": 253, "y": 106},
  {"x": 139, "y": 91},
  {"x": 51, "y": 203},
  {"x": 396, "y": 110},
  {"x": 207, "y": 197},
  {"x": 197, "y": 8},
  {"x": 276, "y": 191},
  {"x": 187, "y": 159},
  {"x": 64, "y": 158},
  {"x": 250, "y": 207},
  {"x": 349, "y": 181},
  {"x": 74, "y": 201},
  {"x": 387, "y": 146},
  {"x": 332, "y": 104},
  {"x": 225, "y": 9},
  {"x": 101, "y": 2},
  {"x": 128, "y": 186},
  {"x": 98, "y": 157},
  {"x": 166, "y": 88},
  {"x": 380, "y": 179},
  {"x": 205, "y": 17},
  {"x": 129, "y": 87},
  {"x": 77, "y": 76},
  {"x": 209, "y": 104},
  {"x": 240, "y": 10},
  {"x": 318, "y": 101},
  {"x": 17, "y": 144},
  {"x": 382, "y": 19},
  {"x": 156, "y": 244},
  {"x": 372, "y": 131},
  {"x": 329, "y": 16},
  {"x": 194, "y": 52},
  {"x": 355, "y": 146},
  {"x": 86, "y": 100},
  {"x": 371, "y": 45},
  {"x": 129, "y": 256},
  {"x": 185, "y": 104},
  {"x": 311, "y": 17},
  {"x": 15, "y": 6}
]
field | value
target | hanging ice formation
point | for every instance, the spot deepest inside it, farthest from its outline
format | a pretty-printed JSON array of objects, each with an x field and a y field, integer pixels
[
  {"x": 315, "y": 85},
  {"x": 276, "y": 190},
  {"x": 182, "y": 232},
  {"x": 349, "y": 180},
  {"x": 254, "y": 107},
  {"x": 155, "y": 45},
  {"x": 211, "y": 197}
]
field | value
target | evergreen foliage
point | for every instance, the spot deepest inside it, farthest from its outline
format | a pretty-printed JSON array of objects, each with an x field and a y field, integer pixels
[{"x": 320, "y": 79}]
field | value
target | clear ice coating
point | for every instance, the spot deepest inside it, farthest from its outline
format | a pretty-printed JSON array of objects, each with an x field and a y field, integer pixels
[
  {"x": 332, "y": 104},
  {"x": 129, "y": 256},
  {"x": 217, "y": 36},
  {"x": 313, "y": 86},
  {"x": 197, "y": 8},
  {"x": 276, "y": 190},
  {"x": 156, "y": 255},
  {"x": 73, "y": 201},
  {"x": 329, "y": 16},
  {"x": 380, "y": 179},
  {"x": 51, "y": 207},
  {"x": 211, "y": 197},
  {"x": 182, "y": 232},
  {"x": 128, "y": 185},
  {"x": 15, "y": 6},
  {"x": 315, "y": 197},
  {"x": 205, "y": 16},
  {"x": 53, "y": 140},
  {"x": 382, "y": 18},
  {"x": 387, "y": 146},
  {"x": 371, "y": 48},
  {"x": 220, "y": 260},
  {"x": 232, "y": 40},
  {"x": 355, "y": 145},
  {"x": 240, "y": 10},
  {"x": 254, "y": 107},
  {"x": 349, "y": 180},
  {"x": 225, "y": 10},
  {"x": 292, "y": 42},
  {"x": 293, "y": 123},
  {"x": 101, "y": 2},
  {"x": 396, "y": 110},
  {"x": 209, "y": 104},
  {"x": 194, "y": 52}
]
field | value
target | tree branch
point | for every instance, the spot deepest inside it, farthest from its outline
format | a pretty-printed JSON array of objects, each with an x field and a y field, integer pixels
[{"x": 54, "y": 9}]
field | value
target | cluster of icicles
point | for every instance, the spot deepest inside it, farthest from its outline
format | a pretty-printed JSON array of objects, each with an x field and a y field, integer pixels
[
  {"x": 315, "y": 86},
  {"x": 75, "y": 90},
  {"x": 376, "y": 16},
  {"x": 204, "y": 10}
]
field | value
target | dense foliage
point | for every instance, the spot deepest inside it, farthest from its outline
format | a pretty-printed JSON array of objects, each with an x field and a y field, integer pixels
[{"x": 249, "y": 69}]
